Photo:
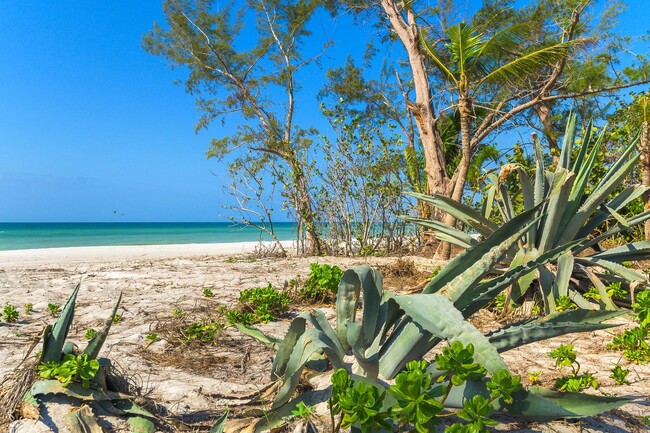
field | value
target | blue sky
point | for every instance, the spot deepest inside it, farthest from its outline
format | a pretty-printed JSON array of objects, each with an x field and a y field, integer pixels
[{"x": 91, "y": 124}]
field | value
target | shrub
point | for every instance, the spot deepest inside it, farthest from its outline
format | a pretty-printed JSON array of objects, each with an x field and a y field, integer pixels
[{"x": 322, "y": 283}]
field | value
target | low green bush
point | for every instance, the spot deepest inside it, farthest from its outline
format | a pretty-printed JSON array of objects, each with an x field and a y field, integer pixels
[{"x": 322, "y": 283}]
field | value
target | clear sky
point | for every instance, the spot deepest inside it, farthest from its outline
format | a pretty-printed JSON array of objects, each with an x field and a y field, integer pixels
[{"x": 91, "y": 126}]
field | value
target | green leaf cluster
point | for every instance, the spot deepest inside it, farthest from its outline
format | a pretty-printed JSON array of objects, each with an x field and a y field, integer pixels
[
  {"x": 71, "y": 368},
  {"x": 322, "y": 282},
  {"x": 9, "y": 313}
]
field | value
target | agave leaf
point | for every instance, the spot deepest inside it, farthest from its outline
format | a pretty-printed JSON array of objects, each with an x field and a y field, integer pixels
[
  {"x": 580, "y": 301},
  {"x": 369, "y": 364},
  {"x": 617, "y": 203},
  {"x": 562, "y": 182},
  {"x": 141, "y": 425},
  {"x": 54, "y": 342},
  {"x": 219, "y": 425},
  {"x": 605, "y": 300},
  {"x": 475, "y": 299},
  {"x": 598, "y": 196},
  {"x": 444, "y": 232},
  {"x": 488, "y": 203},
  {"x": 507, "y": 210},
  {"x": 352, "y": 281},
  {"x": 538, "y": 404},
  {"x": 586, "y": 139},
  {"x": 97, "y": 341},
  {"x": 628, "y": 252},
  {"x": 563, "y": 275},
  {"x": 583, "y": 172},
  {"x": 546, "y": 279},
  {"x": 44, "y": 387},
  {"x": 310, "y": 342},
  {"x": 462, "y": 212},
  {"x": 436, "y": 314},
  {"x": 567, "y": 142},
  {"x": 268, "y": 340},
  {"x": 482, "y": 256},
  {"x": 617, "y": 228},
  {"x": 626, "y": 273},
  {"x": 319, "y": 321},
  {"x": 129, "y": 407},
  {"x": 540, "y": 179},
  {"x": 555, "y": 325},
  {"x": 82, "y": 420},
  {"x": 520, "y": 286},
  {"x": 286, "y": 347}
]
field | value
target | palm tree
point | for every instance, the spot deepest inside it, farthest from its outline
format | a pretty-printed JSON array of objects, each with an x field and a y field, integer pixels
[{"x": 477, "y": 67}]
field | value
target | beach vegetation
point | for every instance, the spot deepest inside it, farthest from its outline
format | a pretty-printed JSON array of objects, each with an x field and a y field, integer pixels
[
  {"x": 389, "y": 330},
  {"x": 90, "y": 333},
  {"x": 572, "y": 212},
  {"x": 207, "y": 292},
  {"x": 264, "y": 304},
  {"x": 619, "y": 374},
  {"x": 65, "y": 369},
  {"x": 54, "y": 309},
  {"x": 565, "y": 357},
  {"x": 269, "y": 152},
  {"x": 28, "y": 307},
  {"x": 9, "y": 313},
  {"x": 322, "y": 283},
  {"x": 204, "y": 331},
  {"x": 634, "y": 343},
  {"x": 117, "y": 318}
]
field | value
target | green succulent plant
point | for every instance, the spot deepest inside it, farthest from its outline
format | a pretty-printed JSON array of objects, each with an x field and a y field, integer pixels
[
  {"x": 79, "y": 374},
  {"x": 569, "y": 211},
  {"x": 391, "y": 330}
]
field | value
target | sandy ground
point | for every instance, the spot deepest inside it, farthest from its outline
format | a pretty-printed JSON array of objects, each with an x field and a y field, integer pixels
[{"x": 192, "y": 385}]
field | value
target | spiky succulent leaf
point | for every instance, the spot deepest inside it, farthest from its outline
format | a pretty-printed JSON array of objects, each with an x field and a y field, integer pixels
[{"x": 53, "y": 344}]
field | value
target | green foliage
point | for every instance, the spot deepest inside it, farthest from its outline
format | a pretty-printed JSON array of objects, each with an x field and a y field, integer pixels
[
  {"x": 90, "y": 333},
  {"x": 619, "y": 374},
  {"x": 415, "y": 400},
  {"x": 642, "y": 308},
  {"x": 10, "y": 314},
  {"x": 457, "y": 362},
  {"x": 117, "y": 318},
  {"x": 207, "y": 292},
  {"x": 571, "y": 213},
  {"x": 54, "y": 309},
  {"x": 178, "y": 313},
  {"x": 235, "y": 316},
  {"x": 322, "y": 283},
  {"x": 634, "y": 343},
  {"x": 264, "y": 303},
  {"x": 533, "y": 377},
  {"x": 564, "y": 303},
  {"x": 205, "y": 331},
  {"x": 72, "y": 368},
  {"x": 28, "y": 308},
  {"x": 565, "y": 356},
  {"x": 615, "y": 290},
  {"x": 152, "y": 337},
  {"x": 303, "y": 411}
]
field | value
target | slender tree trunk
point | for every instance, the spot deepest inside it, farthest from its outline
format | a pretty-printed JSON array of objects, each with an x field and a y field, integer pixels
[
  {"x": 303, "y": 205},
  {"x": 544, "y": 114},
  {"x": 408, "y": 32},
  {"x": 455, "y": 190},
  {"x": 644, "y": 150}
]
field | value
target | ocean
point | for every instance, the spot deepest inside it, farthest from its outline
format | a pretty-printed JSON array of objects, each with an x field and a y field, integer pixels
[{"x": 19, "y": 236}]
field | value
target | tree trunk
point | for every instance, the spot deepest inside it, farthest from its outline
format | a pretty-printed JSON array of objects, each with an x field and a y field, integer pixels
[
  {"x": 303, "y": 205},
  {"x": 644, "y": 151},
  {"x": 544, "y": 114},
  {"x": 434, "y": 153},
  {"x": 455, "y": 191}
]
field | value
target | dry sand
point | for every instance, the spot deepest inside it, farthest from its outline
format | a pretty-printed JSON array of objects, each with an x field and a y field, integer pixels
[{"x": 192, "y": 385}]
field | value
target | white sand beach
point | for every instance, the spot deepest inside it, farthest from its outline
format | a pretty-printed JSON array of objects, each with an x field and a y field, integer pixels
[{"x": 155, "y": 280}]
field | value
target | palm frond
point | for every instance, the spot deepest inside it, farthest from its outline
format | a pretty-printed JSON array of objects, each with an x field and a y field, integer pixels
[
  {"x": 464, "y": 44},
  {"x": 437, "y": 61},
  {"x": 530, "y": 63}
]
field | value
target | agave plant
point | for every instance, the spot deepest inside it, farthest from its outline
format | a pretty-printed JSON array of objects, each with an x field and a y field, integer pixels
[
  {"x": 392, "y": 330},
  {"x": 87, "y": 383},
  {"x": 569, "y": 210}
]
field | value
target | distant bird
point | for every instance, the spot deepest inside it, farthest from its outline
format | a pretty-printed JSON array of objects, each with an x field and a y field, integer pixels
[{"x": 114, "y": 212}]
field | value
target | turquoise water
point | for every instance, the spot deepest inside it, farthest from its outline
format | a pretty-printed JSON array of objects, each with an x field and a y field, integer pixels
[{"x": 18, "y": 236}]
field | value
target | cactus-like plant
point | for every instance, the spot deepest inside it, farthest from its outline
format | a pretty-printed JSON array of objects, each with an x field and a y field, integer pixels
[
  {"x": 390, "y": 330},
  {"x": 78, "y": 374},
  {"x": 569, "y": 210}
]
